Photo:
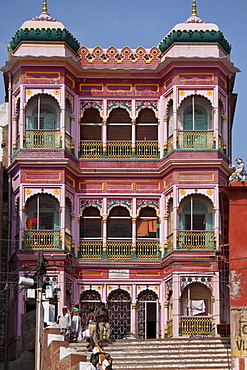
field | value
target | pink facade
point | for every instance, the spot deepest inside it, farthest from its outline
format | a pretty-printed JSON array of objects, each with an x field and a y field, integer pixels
[{"x": 116, "y": 158}]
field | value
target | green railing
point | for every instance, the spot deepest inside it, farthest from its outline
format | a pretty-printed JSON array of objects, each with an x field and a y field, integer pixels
[
  {"x": 196, "y": 140},
  {"x": 147, "y": 150},
  {"x": 92, "y": 149},
  {"x": 196, "y": 240},
  {"x": 41, "y": 239},
  {"x": 42, "y": 139}
]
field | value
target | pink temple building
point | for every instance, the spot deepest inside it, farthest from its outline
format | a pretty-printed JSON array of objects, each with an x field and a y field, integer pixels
[{"x": 116, "y": 158}]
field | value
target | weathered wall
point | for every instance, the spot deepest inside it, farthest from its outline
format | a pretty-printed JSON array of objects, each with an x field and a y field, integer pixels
[{"x": 237, "y": 193}]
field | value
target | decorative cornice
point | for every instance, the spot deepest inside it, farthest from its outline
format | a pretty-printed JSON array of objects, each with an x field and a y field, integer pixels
[
  {"x": 194, "y": 36},
  {"x": 44, "y": 35}
]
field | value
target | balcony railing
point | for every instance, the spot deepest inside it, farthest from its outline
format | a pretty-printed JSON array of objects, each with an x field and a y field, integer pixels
[
  {"x": 119, "y": 150},
  {"x": 91, "y": 149},
  {"x": 196, "y": 325},
  {"x": 170, "y": 329},
  {"x": 116, "y": 249},
  {"x": 222, "y": 145},
  {"x": 41, "y": 239},
  {"x": 90, "y": 249},
  {"x": 147, "y": 150},
  {"x": 170, "y": 144},
  {"x": 147, "y": 249},
  {"x": 42, "y": 139},
  {"x": 196, "y": 140},
  {"x": 196, "y": 240},
  {"x": 169, "y": 243}
]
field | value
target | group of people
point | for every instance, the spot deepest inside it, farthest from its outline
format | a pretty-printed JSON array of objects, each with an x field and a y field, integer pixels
[
  {"x": 96, "y": 327},
  {"x": 99, "y": 359}
]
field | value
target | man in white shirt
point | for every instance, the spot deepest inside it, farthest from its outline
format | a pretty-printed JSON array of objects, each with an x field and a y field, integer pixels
[
  {"x": 107, "y": 363},
  {"x": 93, "y": 365}
]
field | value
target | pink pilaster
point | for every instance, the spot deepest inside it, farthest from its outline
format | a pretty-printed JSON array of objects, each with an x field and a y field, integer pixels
[{"x": 176, "y": 304}]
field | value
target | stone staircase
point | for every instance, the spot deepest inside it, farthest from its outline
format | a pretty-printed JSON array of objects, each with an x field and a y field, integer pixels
[{"x": 170, "y": 354}]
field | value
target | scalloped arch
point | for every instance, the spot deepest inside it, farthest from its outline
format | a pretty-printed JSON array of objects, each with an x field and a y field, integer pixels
[
  {"x": 154, "y": 206},
  {"x": 37, "y": 94},
  {"x": 192, "y": 94},
  {"x": 111, "y": 206},
  {"x": 168, "y": 203},
  {"x": 88, "y": 107},
  {"x": 70, "y": 204},
  {"x": 197, "y": 194},
  {"x": 195, "y": 282},
  {"x": 17, "y": 107},
  {"x": 168, "y": 106},
  {"x": 147, "y": 107},
  {"x": 148, "y": 292},
  {"x": 90, "y": 205},
  {"x": 123, "y": 292},
  {"x": 118, "y": 106},
  {"x": 44, "y": 192}
]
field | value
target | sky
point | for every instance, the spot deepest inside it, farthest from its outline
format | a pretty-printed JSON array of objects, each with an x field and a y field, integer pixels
[{"x": 136, "y": 23}]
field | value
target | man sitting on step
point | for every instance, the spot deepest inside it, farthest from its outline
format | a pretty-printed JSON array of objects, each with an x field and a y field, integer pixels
[{"x": 93, "y": 365}]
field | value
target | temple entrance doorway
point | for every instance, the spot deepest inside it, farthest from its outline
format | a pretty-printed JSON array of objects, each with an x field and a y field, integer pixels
[
  {"x": 148, "y": 315},
  {"x": 119, "y": 303},
  {"x": 90, "y": 299}
]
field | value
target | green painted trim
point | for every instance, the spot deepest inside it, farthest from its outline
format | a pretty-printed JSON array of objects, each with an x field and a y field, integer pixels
[
  {"x": 44, "y": 35},
  {"x": 194, "y": 36}
]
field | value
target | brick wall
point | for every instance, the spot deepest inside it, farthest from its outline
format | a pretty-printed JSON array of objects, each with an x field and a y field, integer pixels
[{"x": 51, "y": 355}]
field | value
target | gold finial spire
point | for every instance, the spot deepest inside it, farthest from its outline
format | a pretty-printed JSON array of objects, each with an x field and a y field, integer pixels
[
  {"x": 194, "y": 12},
  {"x": 44, "y": 6}
]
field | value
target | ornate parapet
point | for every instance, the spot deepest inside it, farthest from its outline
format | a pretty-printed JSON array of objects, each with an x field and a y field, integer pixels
[{"x": 116, "y": 58}]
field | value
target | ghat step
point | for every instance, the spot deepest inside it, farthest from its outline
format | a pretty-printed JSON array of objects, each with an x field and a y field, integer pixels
[{"x": 170, "y": 354}]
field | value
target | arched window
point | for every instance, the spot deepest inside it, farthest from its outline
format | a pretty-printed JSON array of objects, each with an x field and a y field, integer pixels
[
  {"x": 170, "y": 119},
  {"x": 90, "y": 223},
  {"x": 146, "y": 126},
  {"x": 42, "y": 213},
  {"x": 147, "y": 223},
  {"x": 220, "y": 118},
  {"x": 119, "y": 223},
  {"x": 18, "y": 118},
  {"x": 196, "y": 214},
  {"x": 42, "y": 113},
  {"x": 171, "y": 217},
  {"x": 195, "y": 114},
  {"x": 119, "y": 126},
  {"x": 91, "y": 125},
  {"x": 196, "y": 300},
  {"x": 68, "y": 116},
  {"x": 67, "y": 216},
  {"x": 195, "y": 118}
]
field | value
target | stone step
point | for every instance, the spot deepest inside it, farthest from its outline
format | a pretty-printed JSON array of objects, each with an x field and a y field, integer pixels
[{"x": 170, "y": 354}]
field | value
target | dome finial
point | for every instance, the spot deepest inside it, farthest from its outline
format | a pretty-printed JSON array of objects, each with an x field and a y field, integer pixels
[
  {"x": 44, "y": 10},
  {"x": 194, "y": 11}
]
